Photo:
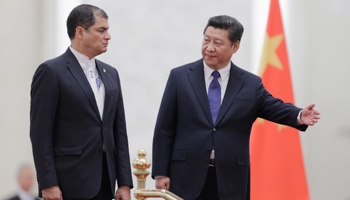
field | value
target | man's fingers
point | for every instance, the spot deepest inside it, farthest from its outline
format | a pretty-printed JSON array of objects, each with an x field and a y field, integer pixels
[
  {"x": 163, "y": 187},
  {"x": 163, "y": 183},
  {"x": 117, "y": 195},
  {"x": 310, "y": 107},
  {"x": 317, "y": 112},
  {"x": 123, "y": 193},
  {"x": 160, "y": 186},
  {"x": 52, "y": 193}
]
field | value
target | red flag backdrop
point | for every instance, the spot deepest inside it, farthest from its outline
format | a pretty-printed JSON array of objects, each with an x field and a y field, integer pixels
[{"x": 277, "y": 169}]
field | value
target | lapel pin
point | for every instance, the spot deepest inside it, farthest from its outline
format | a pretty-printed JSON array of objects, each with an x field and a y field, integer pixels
[{"x": 104, "y": 70}]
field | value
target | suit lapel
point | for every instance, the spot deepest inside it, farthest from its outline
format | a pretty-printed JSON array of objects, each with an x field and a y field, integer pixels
[
  {"x": 234, "y": 85},
  {"x": 78, "y": 73},
  {"x": 196, "y": 76}
]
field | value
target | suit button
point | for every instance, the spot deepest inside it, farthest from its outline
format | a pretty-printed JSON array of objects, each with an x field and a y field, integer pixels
[
  {"x": 208, "y": 150},
  {"x": 214, "y": 129}
]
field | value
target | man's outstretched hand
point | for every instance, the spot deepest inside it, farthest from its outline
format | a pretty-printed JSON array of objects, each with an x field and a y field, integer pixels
[{"x": 309, "y": 116}]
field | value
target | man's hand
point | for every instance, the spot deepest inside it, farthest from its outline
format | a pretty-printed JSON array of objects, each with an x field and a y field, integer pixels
[
  {"x": 309, "y": 116},
  {"x": 163, "y": 182},
  {"x": 52, "y": 193},
  {"x": 123, "y": 193}
]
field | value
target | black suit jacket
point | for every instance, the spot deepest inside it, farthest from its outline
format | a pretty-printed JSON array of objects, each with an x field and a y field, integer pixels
[
  {"x": 67, "y": 132},
  {"x": 185, "y": 133}
]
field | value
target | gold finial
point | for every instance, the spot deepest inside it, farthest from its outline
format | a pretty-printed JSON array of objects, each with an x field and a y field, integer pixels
[{"x": 141, "y": 165}]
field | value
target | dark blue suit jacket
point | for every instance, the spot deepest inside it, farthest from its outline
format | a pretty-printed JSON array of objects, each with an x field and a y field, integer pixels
[
  {"x": 185, "y": 133},
  {"x": 67, "y": 132}
]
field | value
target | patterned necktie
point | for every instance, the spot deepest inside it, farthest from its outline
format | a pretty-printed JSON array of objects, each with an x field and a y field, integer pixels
[{"x": 214, "y": 96}]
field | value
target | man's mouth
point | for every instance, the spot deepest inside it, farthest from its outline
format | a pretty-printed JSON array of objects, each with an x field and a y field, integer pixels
[{"x": 210, "y": 56}]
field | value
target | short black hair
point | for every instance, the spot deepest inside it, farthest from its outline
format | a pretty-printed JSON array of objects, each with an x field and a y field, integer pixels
[
  {"x": 84, "y": 16},
  {"x": 234, "y": 27}
]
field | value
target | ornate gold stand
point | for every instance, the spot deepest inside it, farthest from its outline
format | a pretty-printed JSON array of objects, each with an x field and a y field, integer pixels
[{"x": 141, "y": 165}]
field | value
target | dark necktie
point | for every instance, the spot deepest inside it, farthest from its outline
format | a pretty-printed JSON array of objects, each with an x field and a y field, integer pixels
[{"x": 214, "y": 96}]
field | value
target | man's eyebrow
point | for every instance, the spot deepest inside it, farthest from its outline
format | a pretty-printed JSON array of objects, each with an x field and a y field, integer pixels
[{"x": 102, "y": 27}]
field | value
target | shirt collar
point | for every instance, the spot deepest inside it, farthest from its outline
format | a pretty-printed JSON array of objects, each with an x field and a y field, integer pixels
[
  {"x": 83, "y": 60},
  {"x": 224, "y": 72},
  {"x": 24, "y": 195}
]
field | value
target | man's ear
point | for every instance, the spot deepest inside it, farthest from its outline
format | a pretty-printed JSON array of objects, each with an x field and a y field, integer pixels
[
  {"x": 79, "y": 32},
  {"x": 235, "y": 46}
]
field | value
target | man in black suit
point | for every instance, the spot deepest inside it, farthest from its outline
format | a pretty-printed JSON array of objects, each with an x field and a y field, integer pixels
[
  {"x": 78, "y": 130},
  {"x": 201, "y": 138},
  {"x": 25, "y": 178}
]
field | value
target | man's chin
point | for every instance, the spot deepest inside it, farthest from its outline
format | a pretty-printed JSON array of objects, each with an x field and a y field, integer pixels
[
  {"x": 210, "y": 62},
  {"x": 103, "y": 50}
]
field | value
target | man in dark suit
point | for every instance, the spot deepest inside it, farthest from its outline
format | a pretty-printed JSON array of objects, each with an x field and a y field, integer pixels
[
  {"x": 201, "y": 138},
  {"x": 25, "y": 178},
  {"x": 78, "y": 130}
]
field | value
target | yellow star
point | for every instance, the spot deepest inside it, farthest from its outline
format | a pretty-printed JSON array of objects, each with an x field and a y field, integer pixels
[
  {"x": 280, "y": 127},
  {"x": 269, "y": 55},
  {"x": 260, "y": 121}
]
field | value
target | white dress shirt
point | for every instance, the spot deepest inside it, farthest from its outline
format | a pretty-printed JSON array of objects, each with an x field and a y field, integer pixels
[
  {"x": 23, "y": 195},
  {"x": 92, "y": 75},
  {"x": 223, "y": 79}
]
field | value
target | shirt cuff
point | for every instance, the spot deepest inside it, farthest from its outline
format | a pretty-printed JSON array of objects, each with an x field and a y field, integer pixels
[{"x": 300, "y": 122}]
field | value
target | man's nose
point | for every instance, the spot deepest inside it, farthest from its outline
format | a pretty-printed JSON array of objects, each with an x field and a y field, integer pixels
[
  {"x": 210, "y": 47},
  {"x": 107, "y": 36}
]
